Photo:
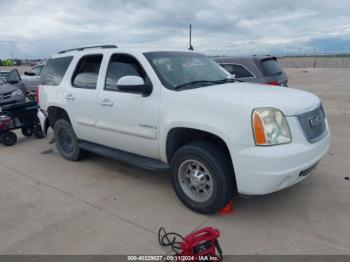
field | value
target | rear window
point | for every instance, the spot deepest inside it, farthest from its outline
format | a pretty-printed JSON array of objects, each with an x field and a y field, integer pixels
[
  {"x": 271, "y": 67},
  {"x": 54, "y": 70}
]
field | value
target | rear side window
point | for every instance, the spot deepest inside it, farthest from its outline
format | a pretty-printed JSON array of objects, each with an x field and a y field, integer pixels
[
  {"x": 237, "y": 70},
  {"x": 54, "y": 70},
  {"x": 86, "y": 73},
  {"x": 271, "y": 67}
]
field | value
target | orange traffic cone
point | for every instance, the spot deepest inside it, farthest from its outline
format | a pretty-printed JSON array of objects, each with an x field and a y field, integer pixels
[{"x": 227, "y": 210}]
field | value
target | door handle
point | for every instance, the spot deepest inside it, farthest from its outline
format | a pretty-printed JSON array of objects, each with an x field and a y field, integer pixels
[
  {"x": 106, "y": 102},
  {"x": 69, "y": 97}
]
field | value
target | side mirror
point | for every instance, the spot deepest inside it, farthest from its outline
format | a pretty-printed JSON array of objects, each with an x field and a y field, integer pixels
[
  {"x": 25, "y": 73},
  {"x": 134, "y": 84}
]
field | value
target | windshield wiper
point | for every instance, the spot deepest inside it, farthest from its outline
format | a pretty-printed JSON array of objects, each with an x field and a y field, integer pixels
[
  {"x": 199, "y": 82},
  {"x": 207, "y": 82},
  {"x": 228, "y": 80}
]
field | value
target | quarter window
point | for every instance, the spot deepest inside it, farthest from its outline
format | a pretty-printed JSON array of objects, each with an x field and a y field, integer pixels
[
  {"x": 123, "y": 65},
  {"x": 54, "y": 70},
  {"x": 237, "y": 70},
  {"x": 86, "y": 73}
]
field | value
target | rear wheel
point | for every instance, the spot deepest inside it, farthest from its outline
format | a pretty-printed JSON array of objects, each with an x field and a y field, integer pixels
[
  {"x": 66, "y": 141},
  {"x": 27, "y": 131},
  {"x": 9, "y": 138},
  {"x": 202, "y": 177}
]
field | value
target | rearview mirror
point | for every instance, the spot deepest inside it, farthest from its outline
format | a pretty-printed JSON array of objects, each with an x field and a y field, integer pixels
[{"x": 134, "y": 84}]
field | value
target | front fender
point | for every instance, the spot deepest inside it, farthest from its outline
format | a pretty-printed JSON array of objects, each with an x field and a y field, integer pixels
[{"x": 191, "y": 125}]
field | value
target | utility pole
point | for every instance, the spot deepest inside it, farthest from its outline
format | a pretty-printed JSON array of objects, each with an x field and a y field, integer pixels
[{"x": 191, "y": 47}]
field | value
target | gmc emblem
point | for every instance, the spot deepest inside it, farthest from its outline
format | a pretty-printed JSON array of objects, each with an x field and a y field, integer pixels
[{"x": 316, "y": 121}]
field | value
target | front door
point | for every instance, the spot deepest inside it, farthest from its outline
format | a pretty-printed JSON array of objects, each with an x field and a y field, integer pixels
[{"x": 128, "y": 121}]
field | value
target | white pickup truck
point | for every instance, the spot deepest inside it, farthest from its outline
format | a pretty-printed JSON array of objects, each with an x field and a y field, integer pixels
[{"x": 179, "y": 110}]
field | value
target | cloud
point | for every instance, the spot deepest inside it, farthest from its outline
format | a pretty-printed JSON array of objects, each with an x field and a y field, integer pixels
[{"x": 40, "y": 28}]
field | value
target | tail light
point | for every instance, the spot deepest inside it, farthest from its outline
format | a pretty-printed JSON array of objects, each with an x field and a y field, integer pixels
[
  {"x": 273, "y": 83},
  {"x": 37, "y": 94}
]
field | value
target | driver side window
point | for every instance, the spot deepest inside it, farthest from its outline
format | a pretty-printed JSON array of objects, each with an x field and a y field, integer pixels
[{"x": 122, "y": 65}]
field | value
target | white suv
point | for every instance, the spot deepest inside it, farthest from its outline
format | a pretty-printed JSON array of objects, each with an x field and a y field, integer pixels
[{"x": 181, "y": 111}]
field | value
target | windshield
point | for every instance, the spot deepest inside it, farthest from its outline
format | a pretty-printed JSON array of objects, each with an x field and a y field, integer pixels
[
  {"x": 2, "y": 82},
  {"x": 176, "y": 69}
]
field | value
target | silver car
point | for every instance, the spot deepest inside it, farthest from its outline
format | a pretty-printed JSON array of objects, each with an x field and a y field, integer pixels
[{"x": 31, "y": 78}]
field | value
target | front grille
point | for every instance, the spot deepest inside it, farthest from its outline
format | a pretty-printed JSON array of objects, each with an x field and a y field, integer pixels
[{"x": 313, "y": 124}]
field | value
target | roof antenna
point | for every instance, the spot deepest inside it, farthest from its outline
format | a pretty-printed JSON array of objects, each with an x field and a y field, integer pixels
[{"x": 191, "y": 47}]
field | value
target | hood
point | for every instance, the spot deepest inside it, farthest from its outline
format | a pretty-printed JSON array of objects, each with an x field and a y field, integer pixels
[
  {"x": 288, "y": 100},
  {"x": 7, "y": 88}
]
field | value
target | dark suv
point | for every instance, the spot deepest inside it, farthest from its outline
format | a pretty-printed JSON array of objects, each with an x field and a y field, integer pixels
[
  {"x": 258, "y": 69},
  {"x": 12, "y": 90}
]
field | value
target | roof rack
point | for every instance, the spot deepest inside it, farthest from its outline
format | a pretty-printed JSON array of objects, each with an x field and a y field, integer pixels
[{"x": 88, "y": 47}]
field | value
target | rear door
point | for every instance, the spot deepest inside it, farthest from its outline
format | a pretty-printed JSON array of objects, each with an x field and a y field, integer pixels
[
  {"x": 80, "y": 95},
  {"x": 239, "y": 71}
]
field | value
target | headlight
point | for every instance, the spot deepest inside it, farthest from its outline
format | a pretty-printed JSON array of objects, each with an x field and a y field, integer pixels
[
  {"x": 270, "y": 127},
  {"x": 18, "y": 92}
]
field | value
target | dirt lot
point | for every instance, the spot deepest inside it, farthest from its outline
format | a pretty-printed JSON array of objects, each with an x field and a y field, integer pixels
[{"x": 100, "y": 206}]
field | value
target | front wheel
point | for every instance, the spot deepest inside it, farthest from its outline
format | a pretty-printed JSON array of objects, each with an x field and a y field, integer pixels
[
  {"x": 66, "y": 141},
  {"x": 202, "y": 177}
]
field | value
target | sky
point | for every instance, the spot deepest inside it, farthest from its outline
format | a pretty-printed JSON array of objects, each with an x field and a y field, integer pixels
[{"x": 40, "y": 28}]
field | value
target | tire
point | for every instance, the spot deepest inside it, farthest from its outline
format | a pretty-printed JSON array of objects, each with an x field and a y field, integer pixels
[
  {"x": 38, "y": 133},
  {"x": 8, "y": 138},
  {"x": 66, "y": 141},
  {"x": 214, "y": 183},
  {"x": 27, "y": 131}
]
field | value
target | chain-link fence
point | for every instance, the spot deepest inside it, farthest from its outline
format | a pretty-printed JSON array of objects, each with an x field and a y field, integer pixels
[{"x": 315, "y": 61}]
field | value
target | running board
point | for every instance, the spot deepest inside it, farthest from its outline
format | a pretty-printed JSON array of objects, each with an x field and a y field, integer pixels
[{"x": 129, "y": 158}]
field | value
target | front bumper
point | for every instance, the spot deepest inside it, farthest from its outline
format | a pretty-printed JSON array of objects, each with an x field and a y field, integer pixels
[{"x": 264, "y": 170}]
